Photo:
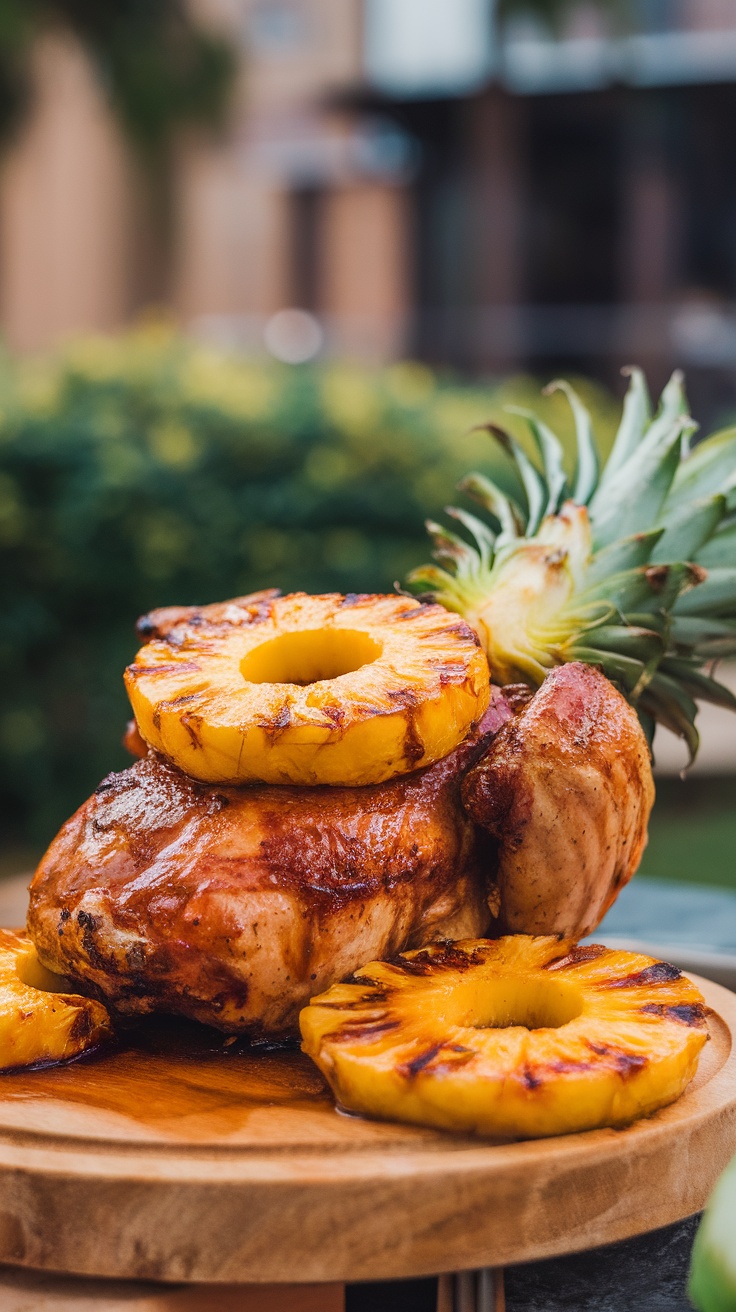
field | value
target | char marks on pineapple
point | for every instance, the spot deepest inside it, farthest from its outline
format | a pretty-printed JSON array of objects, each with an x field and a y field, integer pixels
[
  {"x": 443, "y": 955},
  {"x": 180, "y": 667},
  {"x": 626, "y": 1064},
  {"x": 367, "y": 1031},
  {"x": 693, "y": 1013},
  {"x": 661, "y": 972},
  {"x": 577, "y": 956},
  {"x": 169, "y": 623}
]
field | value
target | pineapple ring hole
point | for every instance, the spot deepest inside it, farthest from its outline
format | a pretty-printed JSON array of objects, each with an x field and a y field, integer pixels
[
  {"x": 533, "y": 1004},
  {"x": 305, "y": 656}
]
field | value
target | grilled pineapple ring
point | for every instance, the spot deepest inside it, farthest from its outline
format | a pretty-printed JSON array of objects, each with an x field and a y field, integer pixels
[
  {"x": 518, "y": 1037},
  {"x": 42, "y": 1020},
  {"x": 307, "y": 690}
]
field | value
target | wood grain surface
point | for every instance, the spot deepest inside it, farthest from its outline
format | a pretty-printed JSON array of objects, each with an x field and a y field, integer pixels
[
  {"x": 181, "y": 1158},
  {"x": 33, "y": 1291}
]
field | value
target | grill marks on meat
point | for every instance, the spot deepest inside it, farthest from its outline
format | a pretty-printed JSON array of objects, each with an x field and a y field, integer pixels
[{"x": 234, "y": 905}]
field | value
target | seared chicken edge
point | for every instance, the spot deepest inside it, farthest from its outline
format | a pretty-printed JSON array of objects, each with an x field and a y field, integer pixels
[{"x": 235, "y": 905}]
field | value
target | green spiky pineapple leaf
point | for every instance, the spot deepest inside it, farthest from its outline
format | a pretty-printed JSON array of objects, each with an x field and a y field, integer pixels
[{"x": 630, "y": 564}]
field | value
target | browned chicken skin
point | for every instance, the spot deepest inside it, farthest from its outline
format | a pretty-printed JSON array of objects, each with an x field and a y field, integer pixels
[
  {"x": 233, "y": 905},
  {"x": 566, "y": 788}
]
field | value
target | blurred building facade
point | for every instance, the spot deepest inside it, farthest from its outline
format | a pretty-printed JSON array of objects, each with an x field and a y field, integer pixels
[{"x": 414, "y": 181}]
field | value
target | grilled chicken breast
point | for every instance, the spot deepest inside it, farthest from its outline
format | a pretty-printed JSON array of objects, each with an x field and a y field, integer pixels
[
  {"x": 234, "y": 905},
  {"x": 566, "y": 789}
]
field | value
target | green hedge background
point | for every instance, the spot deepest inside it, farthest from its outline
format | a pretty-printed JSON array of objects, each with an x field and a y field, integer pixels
[{"x": 147, "y": 470}]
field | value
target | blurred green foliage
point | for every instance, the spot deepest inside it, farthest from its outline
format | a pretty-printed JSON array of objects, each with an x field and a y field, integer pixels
[
  {"x": 146, "y": 470},
  {"x": 158, "y": 65},
  {"x": 692, "y": 832}
]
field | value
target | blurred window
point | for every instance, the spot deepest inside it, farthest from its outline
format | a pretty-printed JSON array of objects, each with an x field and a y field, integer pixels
[
  {"x": 574, "y": 198},
  {"x": 306, "y": 213},
  {"x": 657, "y": 15},
  {"x": 425, "y": 47},
  {"x": 278, "y": 27}
]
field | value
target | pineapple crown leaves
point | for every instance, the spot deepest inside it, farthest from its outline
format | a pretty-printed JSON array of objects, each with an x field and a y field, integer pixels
[{"x": 628, "y": 564}]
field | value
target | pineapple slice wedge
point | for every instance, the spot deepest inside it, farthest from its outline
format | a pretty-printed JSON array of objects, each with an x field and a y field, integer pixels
[
  {"x": 42, "y": 1020},
  {"x": 517, "y": 1037},
  {"x": 307, "y": 690}
]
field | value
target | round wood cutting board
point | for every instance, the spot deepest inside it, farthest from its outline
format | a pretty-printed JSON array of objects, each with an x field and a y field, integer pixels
[{"x": 184, "y": 1158}]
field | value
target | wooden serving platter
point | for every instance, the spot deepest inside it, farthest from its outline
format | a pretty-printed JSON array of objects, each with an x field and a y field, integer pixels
[{"x": 181, "y": 1158}]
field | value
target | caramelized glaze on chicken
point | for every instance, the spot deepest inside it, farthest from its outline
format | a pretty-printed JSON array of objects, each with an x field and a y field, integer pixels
[
  {"x": 234, "y": 905},
  {"x": 566, "y": 788}
]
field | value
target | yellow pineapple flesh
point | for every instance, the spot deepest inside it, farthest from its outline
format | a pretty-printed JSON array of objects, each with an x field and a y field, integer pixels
[
  {"x": 307, "y": 690},
  {"x": 42, "y": 1019},
  {"x": 517, "y": 1037}
]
